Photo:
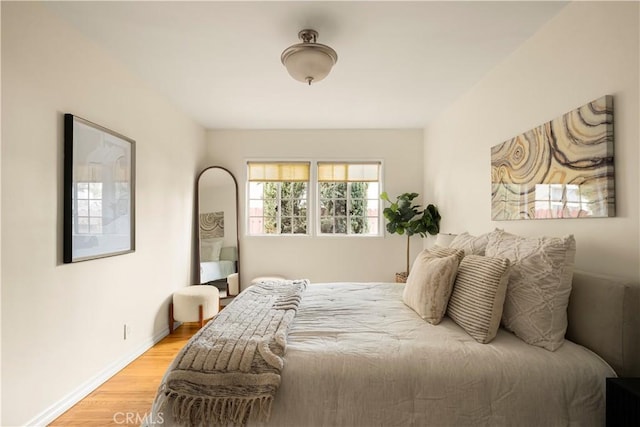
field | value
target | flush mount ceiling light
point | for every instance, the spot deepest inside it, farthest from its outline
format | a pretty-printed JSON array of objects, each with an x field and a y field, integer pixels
[{"x": 309, "y": 61}]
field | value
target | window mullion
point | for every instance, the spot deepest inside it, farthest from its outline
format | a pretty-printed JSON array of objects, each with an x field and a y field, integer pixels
[
  {"x": 348, "y": 211},
  {"x": 317, "y": 217},
  {"x": 279, "y": 208}
]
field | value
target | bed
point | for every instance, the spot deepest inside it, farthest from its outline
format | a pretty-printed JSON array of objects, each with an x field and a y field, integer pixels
[
  {"x": 356, "y": 355},
  {"x": 210, "y": 271}
]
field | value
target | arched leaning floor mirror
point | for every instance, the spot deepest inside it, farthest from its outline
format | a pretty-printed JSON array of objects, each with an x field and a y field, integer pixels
[{"x": 218, "y": 243}]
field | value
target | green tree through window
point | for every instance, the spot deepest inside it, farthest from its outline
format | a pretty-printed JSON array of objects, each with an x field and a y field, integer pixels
[
  {"x": 347, "y": 196},
  {"x": 343, "y": 208},
  {"x": 278, "y": 197},
  {"x": 285, "y": 207}
]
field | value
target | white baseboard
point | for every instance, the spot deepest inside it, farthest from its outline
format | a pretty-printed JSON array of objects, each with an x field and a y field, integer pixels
[{"x": 58, "y": 408}]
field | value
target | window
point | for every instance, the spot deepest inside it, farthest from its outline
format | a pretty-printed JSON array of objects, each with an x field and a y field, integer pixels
[
  {"x": 89, "y": 208},
  {"x": 560, "y": 201},
  {"x": 278, "y": 197},
  {"x": 348, "y": 198}
]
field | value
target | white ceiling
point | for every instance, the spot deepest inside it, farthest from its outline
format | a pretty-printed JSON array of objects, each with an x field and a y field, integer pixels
[{"x": 399, "y": 63}]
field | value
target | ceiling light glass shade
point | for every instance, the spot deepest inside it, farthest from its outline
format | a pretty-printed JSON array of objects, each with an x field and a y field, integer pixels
[{"x": 309, "y": 61}]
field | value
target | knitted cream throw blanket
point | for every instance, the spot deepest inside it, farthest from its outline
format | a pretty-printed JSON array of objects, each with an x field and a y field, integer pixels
[{"x": 229, "y": 371}]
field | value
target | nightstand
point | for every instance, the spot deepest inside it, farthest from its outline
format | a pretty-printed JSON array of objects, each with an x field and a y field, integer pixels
[{"x": 623, "y": 402}]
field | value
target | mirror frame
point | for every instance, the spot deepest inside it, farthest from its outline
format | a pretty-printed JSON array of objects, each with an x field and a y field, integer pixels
[{"x": 197, "y": 219}]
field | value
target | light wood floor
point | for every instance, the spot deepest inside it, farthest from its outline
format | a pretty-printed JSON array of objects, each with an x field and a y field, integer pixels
[{"x": 127, "y": 397}]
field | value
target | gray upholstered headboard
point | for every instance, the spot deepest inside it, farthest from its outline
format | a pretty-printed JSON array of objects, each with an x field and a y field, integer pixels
[{"x": 604, "y": 316}]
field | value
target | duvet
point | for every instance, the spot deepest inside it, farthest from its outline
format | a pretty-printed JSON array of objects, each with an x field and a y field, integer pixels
[{"x": 357, "y": 356}]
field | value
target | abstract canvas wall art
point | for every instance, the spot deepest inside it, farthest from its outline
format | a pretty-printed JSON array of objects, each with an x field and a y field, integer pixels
[
  {"x": 211, "y": 225},
  {"x": 561, "y": 169}
]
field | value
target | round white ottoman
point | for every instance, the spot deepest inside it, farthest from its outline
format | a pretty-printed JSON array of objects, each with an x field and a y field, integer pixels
[
  {"x": 233, "y": 284},
  {"x": 266, "y": 279},
  {"x": 194, "y": 304}
]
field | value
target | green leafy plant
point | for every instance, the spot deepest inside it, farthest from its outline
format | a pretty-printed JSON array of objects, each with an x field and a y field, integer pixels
[{"x": 403, "y": 217}]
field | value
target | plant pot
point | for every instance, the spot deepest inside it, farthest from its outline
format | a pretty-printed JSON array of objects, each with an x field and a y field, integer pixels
[{"x": 401, "y": 277}]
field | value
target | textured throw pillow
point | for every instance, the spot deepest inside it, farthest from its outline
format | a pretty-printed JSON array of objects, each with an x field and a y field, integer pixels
[
  {"x": 535, "y": 307},
  {"x": 444, "y": 240},
  {"x": 210, "y": 250},
  {"x": 439, "y": 252},
  {"x": 478, "y": 296},
  {"x": 471, "y": 245},
  {"x": 429, "y": 286}
]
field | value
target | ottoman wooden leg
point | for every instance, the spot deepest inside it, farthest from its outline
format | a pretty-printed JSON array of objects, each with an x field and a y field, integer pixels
[
  {"x": 171, "y": 318},
  {"x": 201, "y": 315}
]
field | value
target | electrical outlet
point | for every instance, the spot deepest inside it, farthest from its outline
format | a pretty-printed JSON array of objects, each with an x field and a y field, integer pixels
[{"x": 126, "y": 331}]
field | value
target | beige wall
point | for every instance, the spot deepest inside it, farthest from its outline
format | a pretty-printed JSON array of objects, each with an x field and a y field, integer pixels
[
  {"x": 323, "y": 259},
  {"x": 588, "y": 50},
  {"x": 62, "y": 324}
]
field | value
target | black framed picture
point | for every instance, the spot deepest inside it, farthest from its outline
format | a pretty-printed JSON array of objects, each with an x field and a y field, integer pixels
[{"x": 99, "y": 191}]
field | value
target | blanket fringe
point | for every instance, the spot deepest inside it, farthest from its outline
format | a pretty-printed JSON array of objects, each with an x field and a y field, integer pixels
[
  {"x": 214, "y": 411},
  {"x": 228, "y": 373}
]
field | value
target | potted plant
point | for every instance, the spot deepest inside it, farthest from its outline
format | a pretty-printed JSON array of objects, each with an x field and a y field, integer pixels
[{"x": 403, "y": 217}]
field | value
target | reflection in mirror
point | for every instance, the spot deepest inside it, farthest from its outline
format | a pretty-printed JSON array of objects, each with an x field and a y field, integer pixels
[{"x": 218, "y": 246}]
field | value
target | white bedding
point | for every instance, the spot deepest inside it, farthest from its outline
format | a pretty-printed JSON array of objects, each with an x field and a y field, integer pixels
[
  {"x": 216, "y": 270},
  {"x": 357, "y": 356}
]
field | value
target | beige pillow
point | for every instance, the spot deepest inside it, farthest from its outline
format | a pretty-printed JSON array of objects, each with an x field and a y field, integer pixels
[
  {"x": 471, "y": 245},
  {"x": 210, "y": 250},
  {"x": 535, "y": 307},
  {"x": 478, "y": 296},
  {"x": 444, "y": 240},
  {"x": 440, "y": 252},
  {"x": 429, "y": 286}
]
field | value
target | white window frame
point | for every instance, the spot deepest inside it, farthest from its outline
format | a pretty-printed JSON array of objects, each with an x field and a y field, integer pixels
[
  {"x": 248, "y": 198},
  {"x": 313, "y": 199},
  {"x": 88, "y": 216},
  {"x": 317, "y": 217}
]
